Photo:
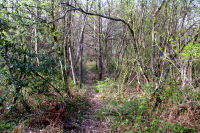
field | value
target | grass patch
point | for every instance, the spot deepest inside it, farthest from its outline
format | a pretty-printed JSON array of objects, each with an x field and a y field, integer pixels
[
  {"x": 143, "y": 113},
  {"x": 92, "y": 67}
]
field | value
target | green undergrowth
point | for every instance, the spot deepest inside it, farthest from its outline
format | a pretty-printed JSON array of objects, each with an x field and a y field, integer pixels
[
  {"x": 130, "y": 112},
  {"x": 92, "y": 67},
  {"x": 6, "y": 125},
  {"x": 13, "y": 117}
]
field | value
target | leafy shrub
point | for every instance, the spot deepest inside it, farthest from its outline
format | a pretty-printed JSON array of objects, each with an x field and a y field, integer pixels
[{"x": 139, "y": 113}]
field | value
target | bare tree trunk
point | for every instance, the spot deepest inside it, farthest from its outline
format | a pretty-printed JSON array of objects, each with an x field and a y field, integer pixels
[
  {"x": 65, "y": 51},
  {"x": 184, "y": 69},
  {"x": 65, "y": 70},
  {"x": 72, "y": 64},
  {"x": 36, "y": 38},
  {"x": 154, "y": 44},
  {"x": 61, "y": 68},
  {"x": 119, "y": 52},
  {"x": 100, "y": 45},
  {"x": 81, "y": 45},
  {"x": 154, "y": 53},
  {"x": 81, "y": 53},
  {"x": 80, "y": 70},
  {"x": 95, "y": 45}
]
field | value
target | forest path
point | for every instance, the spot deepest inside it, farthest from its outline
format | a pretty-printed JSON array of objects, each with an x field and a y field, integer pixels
[{"x": 89, "y": 123}]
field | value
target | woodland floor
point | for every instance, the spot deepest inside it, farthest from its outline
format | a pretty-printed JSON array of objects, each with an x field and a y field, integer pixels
[
  {"x": 90, "y": 124},
  {"x": 78, "y": 117},
  {"x": 83, "y": 114}
]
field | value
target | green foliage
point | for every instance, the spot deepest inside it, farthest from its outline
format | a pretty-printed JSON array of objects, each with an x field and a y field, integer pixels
[
  {"x": 29, "y": 78},
  {"x": 111, "y": 67},
  {"x": 192, "y": 50},
  {"x": 92, "y": 67},
  {"x": 103, "y": 86},
  {"x": 37, "y": 77},
  {"x": 137, "y": 113},
  {"x": 5, "y": 126}
]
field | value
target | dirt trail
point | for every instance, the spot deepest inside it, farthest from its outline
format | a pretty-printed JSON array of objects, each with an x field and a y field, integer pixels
[{"x": 89, "y": 123}]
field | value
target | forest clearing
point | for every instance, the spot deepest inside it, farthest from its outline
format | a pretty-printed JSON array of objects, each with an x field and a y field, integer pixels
[{"x": 100, "y": 66}]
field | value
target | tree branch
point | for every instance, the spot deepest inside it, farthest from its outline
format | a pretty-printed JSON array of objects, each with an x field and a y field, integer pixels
[
  {"x": 37, "y": 74},
  {"x": 119, "y": 20},
  {"x": 159, "y": 8},
  {"x": 99, "y": 15},
  {"x": 60, "y": 17}
]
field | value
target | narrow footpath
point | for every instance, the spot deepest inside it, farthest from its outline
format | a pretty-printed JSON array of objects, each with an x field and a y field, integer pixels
[{"x": 89, "y": 123}]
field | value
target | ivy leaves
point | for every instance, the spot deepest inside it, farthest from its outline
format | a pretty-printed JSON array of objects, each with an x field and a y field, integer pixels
[{"x": 192, "y": 50}]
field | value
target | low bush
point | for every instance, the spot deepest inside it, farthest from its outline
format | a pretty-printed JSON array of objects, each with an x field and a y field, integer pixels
[{"x": 143, "y": 113}]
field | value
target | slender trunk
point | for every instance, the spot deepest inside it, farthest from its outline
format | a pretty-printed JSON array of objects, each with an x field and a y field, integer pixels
[
  {"x": 120, "y": 51},
  {"x": 36, "y": 38},
  {"x": 81, "y": 49},
  {"x": 65, "y": 70},
  {"x": 184, "y": 65},
  {"x": 61, "y": 68},
  {"x": 154, "y": 44},
  {"x": 69, "y": 26},
  {"x": 95, "y": 49},
  {"x": 65, "y": 51},
  {"x": 80, "y": 71},
  {"x": 154, "y": 53},
  {"x": 72, "y": 64},
  {"x": 81, "y": 54},
  {"x": 80, "y": 59},
  {"x": 100, "y": 45}
]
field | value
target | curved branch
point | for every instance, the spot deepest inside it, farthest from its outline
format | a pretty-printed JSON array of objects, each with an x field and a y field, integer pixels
[
  {"x": 60, "y": 17},
  {"x": 100, "y": 15},
  {"x": 119, "y": 20}
]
